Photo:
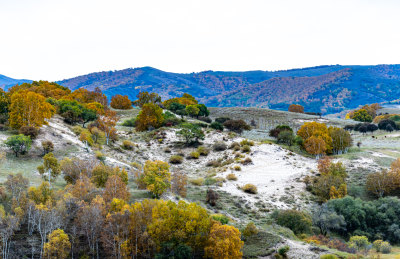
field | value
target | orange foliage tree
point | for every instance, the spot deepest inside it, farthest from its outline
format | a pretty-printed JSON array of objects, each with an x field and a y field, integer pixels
[
  {"x": 224, "y": 242},
  {"x": 107, "y": 123},
  {"x": 318, "y": 130},
  {"x": 315, "y": 146},
  {"x": 296, "y": 108},
  {"x": 29, "y": 109},
  {"x": 146, "y": 97},
  {"x": 151, "y": 115},
  {"x": 121, "y": 102}
]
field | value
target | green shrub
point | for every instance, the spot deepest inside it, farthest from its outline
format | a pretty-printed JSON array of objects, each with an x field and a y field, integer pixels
[
  {"x": 210, "y": 181},
  {"x": 250, "y": 230},
  {"x": 197, "y": 182},
  {"x": 235, "y": 146},
  {"x": 32, "y": 132},
  {"x": 213, "y": 163},
  {"x": 100, "y": 156},
  {"x": 128, "y": 145},
  {"x": 247, "y": 161},
  {"x": 221, "y": 218},
  {"x": 203, "y": 151},
  {"x": 129, "y": 123},
  {"x": 299, "y": 222},
  {"x": 359, "y": 243},
  {"x": 222, "y": 119},
  {"x": 386, "y": 248},
  {"x": 217, "y": 126},
  {"x": 282, "y": 251},
  {"x": 246, "y": 142},
  {"x": 231, "y": 177},
  {"x": 176, "y": 159},
  {"x": 250, "y": 188},
  {"x": 246, "y": 149},
  {"x": 194, "y": 155},
  {"x": 328, "y": 256},
  {"x": 237, "y": 168},
  {"x": 77, "y": 130},
  {"x": 219, "y": 146}
]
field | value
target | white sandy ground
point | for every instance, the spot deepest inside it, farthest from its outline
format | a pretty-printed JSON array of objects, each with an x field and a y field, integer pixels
[{"x": 275, "y": 172}]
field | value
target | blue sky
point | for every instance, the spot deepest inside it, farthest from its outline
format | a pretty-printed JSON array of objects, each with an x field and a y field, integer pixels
[{"x": 57, "y": 39}]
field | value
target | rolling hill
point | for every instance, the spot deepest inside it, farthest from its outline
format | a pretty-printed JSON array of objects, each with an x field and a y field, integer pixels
[
  {"x": 326, "y": 89},
  {"x": 6, "y": 82}
]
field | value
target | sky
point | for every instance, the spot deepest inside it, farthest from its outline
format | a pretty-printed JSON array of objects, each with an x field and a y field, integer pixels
[{"x": 57, "y": 39}]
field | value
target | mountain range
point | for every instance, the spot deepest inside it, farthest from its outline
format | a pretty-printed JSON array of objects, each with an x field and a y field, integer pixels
[{"x": 326, "y": 89}]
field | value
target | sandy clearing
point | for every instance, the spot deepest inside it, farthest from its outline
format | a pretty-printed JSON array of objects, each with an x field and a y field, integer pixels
[{"x": 274, "y": 170}]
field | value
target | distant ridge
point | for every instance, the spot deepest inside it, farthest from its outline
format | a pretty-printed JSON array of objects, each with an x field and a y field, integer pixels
[
  {"x": 327, "y": 89},
  {"x": 6, "y": 82}
]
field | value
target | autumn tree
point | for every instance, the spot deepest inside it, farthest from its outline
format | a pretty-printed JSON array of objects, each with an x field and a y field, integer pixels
[
  {"x": 192, "y": 110},
  {"x": 19, "y": 144},
  {"x": 362, "y": 115},
  {"x": 44, "y": 88},
  {"x": 115, "y": 236},
  {"x": 237, "y": 126},
  {"x": 17, "y": 186},
  {"x": 83, "y": 95},
  {"x": 318, "y": 131},
  {"x": 107, "y": 124},
  {"x": 182, "y": 223},
  {"x": 121, "y": 102},
  {"x": 384, "y": 182},
  {"x": 58, "y": 246},
  {"x": 9, "y": 224},
  {"x": 46, "y": 218},
  {"x": 75, "y": 168},
  {"x": 156, "y": 177},
  {"x": 178, "y": 183},
  {"x": 224, "y": 242},
  {"x": 341, "y": 140},
  {"x": 315, "y": 146},
  {"x": 331, "y": 184},
  {"x": 145, "y": 98},
  {"x": 115, "y": 188},
  {"x": 41, "y": 194},
  {"x": 140, "y": 239},
  {"x": 50, "y": 168},
  {"x": 90, "y": 220},
  {"x": 4, "y": 106},
  {"x": 83, "y": 189},
  {"x": 151, "y": 116},
  {"x": 29, "y": 109},
  {"x": 296, "y": 108},
  {"x": 47, "y": 146}
]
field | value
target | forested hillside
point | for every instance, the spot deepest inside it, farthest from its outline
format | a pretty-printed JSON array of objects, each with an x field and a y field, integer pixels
[{"x": 326, "y": 89}]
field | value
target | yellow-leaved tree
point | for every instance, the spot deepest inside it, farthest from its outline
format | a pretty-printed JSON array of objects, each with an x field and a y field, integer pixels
[
  {"x": 58, "y": 246},
  {"x": 29, "y": 109},
  {"x": 156, "y": 177},
  {"x": 224, "y": 242},
  {"x": 183, "y": 223}
]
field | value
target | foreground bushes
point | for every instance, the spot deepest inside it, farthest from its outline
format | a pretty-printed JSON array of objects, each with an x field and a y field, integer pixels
[{"x": 299, "y": 222}]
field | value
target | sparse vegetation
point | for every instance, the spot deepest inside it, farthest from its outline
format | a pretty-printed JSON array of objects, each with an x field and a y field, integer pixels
[{"x": 250, "y": 188}]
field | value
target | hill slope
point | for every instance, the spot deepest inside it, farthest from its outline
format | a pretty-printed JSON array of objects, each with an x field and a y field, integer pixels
[
  {"x": 6, "y": 82},
  {"x": 325, "y": 88}
]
